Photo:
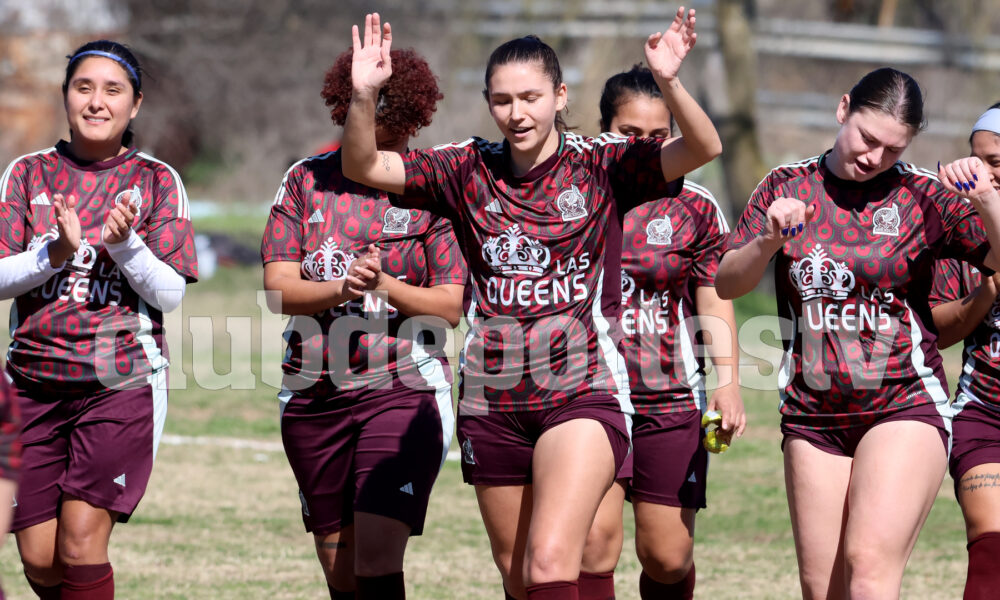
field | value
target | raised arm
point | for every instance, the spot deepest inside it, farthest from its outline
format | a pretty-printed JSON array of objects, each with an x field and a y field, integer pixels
[
  {"x": 969, "y": 177},
  {"x": 741, "y": 269},
  {"x": 699, "y": 142},
  {"x": 371, "y": 67}
]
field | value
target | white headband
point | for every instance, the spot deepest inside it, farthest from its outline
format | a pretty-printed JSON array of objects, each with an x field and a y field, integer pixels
[{"x": 989, "y": 121}]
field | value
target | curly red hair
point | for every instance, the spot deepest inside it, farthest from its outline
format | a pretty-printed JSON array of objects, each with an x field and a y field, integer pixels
[{"x": 406, "y": 102}]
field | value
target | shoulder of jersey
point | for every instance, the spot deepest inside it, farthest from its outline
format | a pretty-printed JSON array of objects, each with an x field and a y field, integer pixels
[
  {"x": 580, "y": 144},
  {"x": 473, "y": 144},
  {"x": 904, "y": 168},
  {"x": 30, "y": 158},
  {"x": 704, "y": 203}
]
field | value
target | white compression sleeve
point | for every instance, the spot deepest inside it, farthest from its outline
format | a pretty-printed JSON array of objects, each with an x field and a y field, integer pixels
[
  {"x": 154, "y": 280},
  {"x": 23, "y": 272}
]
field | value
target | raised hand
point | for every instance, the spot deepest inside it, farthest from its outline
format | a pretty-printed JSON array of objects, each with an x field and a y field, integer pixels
[
  {"x": 786, "y": 218},
  {"x": 371, "y": 65},
  {"x": 68, "y": 225},
  {"x": 665, "y": 52},
  {"x": 365, "y": 272},
  {"x": 119, "y": 221},
  {"x": 968, "y": 177}
]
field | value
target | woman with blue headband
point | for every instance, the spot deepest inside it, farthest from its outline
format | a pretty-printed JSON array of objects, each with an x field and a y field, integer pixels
[
  {"x": 966, "y": 307},
  {"x": 98, "y": 246}
]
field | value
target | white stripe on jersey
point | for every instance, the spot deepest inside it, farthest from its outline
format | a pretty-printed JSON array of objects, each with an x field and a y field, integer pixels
[
  {"x": 5, "y": 178},
  {"x": 787, "y": 360},
  {"x": 932, "y": 385},
  {"x": 902, "y": 168},
  {"x": 145, "y": 338},
  {"x": 965, "y": 394},
  {"x": 693, "y": 376},
  {"x": 432, "y": 371},
  {"x": 462, "y": 144},
  {"x": 278, "y": 197},
  {"x": 707, "y": 195},
  {"x": 15, "y": 322},
  {"x": 581, "y": 143},
  {"x": 802, "y": 163},
  {"x": 607, "y": 352},
  {"x": 183, "y": 209},
  {"x": 158, "y": 381}
]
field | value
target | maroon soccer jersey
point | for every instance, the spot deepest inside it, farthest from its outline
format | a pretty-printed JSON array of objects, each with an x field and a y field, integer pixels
[
  {"x": 854, "y": 286},
  {"x": 980, "y": 379},
  {"x": 544, "y": 251},
  {"x": 85, "y": 327},
  {"x": 672, "y": 247},
  {"x": 323, "y": 221}
]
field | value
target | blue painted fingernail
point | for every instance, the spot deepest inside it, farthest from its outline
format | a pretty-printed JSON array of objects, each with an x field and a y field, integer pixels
[
  {"x": 976, "y": 177},
  {"x": 966, "y": 184},
  {"x": 784, "y": 231},
  {"x": 800, "y": 227},
  {"x": 939, "y": 165},
  {"x": 973, "y": 184}
]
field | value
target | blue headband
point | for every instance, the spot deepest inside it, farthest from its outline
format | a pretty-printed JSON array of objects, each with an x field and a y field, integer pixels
[
  {"x": 989, "y": 121},
  {"x": 117, "y": 59}
]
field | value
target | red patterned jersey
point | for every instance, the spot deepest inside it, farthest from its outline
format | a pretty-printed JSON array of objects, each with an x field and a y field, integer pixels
[
  {"x": 980, "y": 379},
  {"x": 854, "y": 287},
  {"x": 85, "y": 327},
  {"x": 544, "y": 252},
  {"x": 672, "y": 247},
  {"x": 323, "y": 221}
]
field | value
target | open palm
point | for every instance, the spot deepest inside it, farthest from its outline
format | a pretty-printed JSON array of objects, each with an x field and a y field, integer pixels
[
  {"x": 666, "y": 52},
  {"x": 371, "y": 66}
]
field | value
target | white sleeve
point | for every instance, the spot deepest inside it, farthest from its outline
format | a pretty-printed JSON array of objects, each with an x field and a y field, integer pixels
[
  {"x": 155, "y": 281},
  {"x": 23, "y": 272}
]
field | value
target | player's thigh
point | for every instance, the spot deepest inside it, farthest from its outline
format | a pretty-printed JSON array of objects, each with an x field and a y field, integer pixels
[
  {"x": 335, "y": 551},
  {"x": 664, "y": 536},
  {"x": 898, "y": 469}
]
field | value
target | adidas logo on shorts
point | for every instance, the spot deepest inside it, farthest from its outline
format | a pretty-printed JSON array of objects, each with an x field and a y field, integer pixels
[
  {"x": 120, "y": 480},
  {"x": 407, "y": 489}
]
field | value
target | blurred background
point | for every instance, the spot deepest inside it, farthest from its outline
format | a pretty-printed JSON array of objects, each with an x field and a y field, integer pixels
[{"x": 232, "y": 87}]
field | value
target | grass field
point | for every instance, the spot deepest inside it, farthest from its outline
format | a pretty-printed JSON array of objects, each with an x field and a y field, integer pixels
[{"x": 221, "y": 517}]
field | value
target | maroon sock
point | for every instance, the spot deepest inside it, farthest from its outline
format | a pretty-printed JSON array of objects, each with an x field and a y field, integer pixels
[
  {"x": 983, "y": 578},
  {"x": 381, "y": 587},
  {"x": 554, "y": 590},
  {"x": 597, "y": 586},
  {"x": 53, "y": 592},
  {"x": 88, "y": 582},
  {"x": 338, "y": 595},
  {"x": 650, "y": 589}
]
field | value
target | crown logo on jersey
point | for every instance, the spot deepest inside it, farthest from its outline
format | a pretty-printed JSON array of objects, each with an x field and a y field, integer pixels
[
  {"x": 512, "y": 252},
  {"x": 659, "y": 232},
  {"x": 819, "y": 276},
  {"x": 39, "y": 240},
  {"x": 571, "y": 204},
  {"x": 885, "y": 221},
  {"x": 85, "y": 256},
  {"x": 135, "y": 194},
  {"x": 628, "y": 287},
  {"x": 327, "y": 263},
  {"x": 397, "y": 220}
]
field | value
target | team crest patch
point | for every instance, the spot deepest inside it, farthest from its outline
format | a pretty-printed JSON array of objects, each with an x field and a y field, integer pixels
[
  {"x": 659, "y": 232},
  {"x": 135, "y": 195},
  {"x": 571, "y": 204},
  {"x": 513, "y": 253},
  {"x": 467, "y": 454},
  {"x": 397, "y": 220},
  {"x": 886, "y": 221},
  {"x": 628, "y": 287},
  {"x": 327, "y": 263},
  {"x": 819, "y": 276}
]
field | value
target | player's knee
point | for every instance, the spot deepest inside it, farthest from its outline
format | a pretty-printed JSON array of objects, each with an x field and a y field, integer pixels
[
  {"x": 604, "y": 546},
  {"x": 373, "y": 560},
  {"x": 868, "y": 569},
  {"x": 664, "y": 563},
  {"x": 550, "y": 560},
  {"x": 78, "y": 545}
]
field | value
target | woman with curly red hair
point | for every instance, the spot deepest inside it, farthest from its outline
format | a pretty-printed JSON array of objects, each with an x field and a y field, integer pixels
[{"x": 366, "y": 400}]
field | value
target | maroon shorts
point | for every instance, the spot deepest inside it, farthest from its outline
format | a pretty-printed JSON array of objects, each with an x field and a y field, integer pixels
[
  {"x": 497, "y": 446},
  {"x": 98, "y": 447},
  {"x": 975, "y": 438},
  {"x": 844, "y": 441},
  {"x": 10, "y": 432},
  {"x": 668, "y": 464},
  {"x": 373, "y": 451}
]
